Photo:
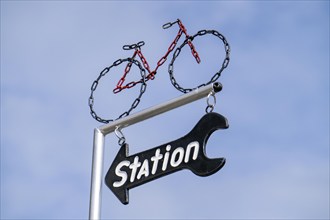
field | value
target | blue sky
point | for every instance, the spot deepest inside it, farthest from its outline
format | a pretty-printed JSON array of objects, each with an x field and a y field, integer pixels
[{"x": 275, "y": 97}]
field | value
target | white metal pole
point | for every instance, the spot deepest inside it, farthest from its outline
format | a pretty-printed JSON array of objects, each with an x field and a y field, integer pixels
[
  {"x": 101, "y": 132},
  {"x": 97, "y": 170}
]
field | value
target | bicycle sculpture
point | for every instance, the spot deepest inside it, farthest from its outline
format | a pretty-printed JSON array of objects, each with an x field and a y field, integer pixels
[
  {"x": 148, "y": 74},
  {"x": 188, "y": 152}
]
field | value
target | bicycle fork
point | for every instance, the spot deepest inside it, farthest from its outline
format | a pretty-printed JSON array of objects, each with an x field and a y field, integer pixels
[{"x": 188, "y": 38}]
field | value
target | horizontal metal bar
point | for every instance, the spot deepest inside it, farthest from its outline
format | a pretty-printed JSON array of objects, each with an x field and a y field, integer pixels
[{"x": 161, "y": 108}]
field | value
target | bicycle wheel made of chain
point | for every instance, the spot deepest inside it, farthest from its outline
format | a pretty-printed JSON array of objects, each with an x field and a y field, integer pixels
[
  {"x": 219, "y": 67},
  {"x": 104, "y": 72}
]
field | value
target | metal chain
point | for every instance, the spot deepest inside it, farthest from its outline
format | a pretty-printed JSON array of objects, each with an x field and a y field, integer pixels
[
  {"x": 103, "y": 73},
  {"x": 151, "y": 74},
  {"x": 133, "y": 46},
  {"x": 161, "y": 61},
  {"x": 178, "y": 50}
]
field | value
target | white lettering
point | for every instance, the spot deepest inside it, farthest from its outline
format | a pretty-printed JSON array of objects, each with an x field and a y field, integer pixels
[
  {"x": 179, "y": 151},
  {"x": 155, "y": 159},
  {"x": 121, "y": 173},
  {"x": 166, "y": 156},
  {"x": 196, "y": 149},
  {"x": 138, "y": 170},
  {"x": 134, "y": 167},
  {"x": 144, "y": 170}
]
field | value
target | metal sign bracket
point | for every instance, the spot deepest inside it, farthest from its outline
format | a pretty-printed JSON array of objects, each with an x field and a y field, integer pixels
[{"x": 101, "y": 132}]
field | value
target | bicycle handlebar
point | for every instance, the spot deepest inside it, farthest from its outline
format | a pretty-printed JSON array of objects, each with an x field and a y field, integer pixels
[{"x": 169, "y": 24}]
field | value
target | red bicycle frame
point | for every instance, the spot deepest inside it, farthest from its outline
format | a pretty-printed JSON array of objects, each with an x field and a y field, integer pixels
[{"x": 138, "y": 52}]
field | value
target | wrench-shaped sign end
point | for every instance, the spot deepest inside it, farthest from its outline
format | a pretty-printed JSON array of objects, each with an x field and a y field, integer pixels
[
  {"x": 187, "y": 152},
  {"x": 204, "y": 166}
]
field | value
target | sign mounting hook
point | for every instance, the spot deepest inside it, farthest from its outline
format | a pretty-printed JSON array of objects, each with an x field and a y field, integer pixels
[
  {"x": 120, "y": 136},
  {"x": 210, "y": 105}
]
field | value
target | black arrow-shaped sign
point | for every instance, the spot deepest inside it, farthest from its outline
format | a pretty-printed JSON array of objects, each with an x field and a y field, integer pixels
[{"x": 188, "y": 152}]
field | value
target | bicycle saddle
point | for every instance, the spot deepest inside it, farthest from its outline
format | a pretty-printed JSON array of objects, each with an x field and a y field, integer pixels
[{"x": 133, "y": 46}]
